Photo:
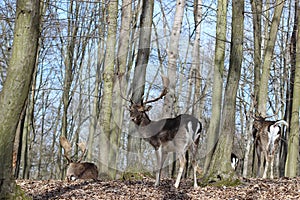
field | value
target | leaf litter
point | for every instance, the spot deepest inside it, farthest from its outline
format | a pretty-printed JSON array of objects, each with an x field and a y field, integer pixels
[{"x": 250, "y": 188}]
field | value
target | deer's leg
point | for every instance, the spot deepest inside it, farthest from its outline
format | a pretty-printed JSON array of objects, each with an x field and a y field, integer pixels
[
  {"x": 193, "y": 149},
  {"x": 258, "y": 153},
  {"x": 182, "y": 162},
  {"x": 272, "y": 164},
  {"x": 195, "y": 166},
  {"x": 267, "y": 165},
  {"x": 160, "y": 159}
]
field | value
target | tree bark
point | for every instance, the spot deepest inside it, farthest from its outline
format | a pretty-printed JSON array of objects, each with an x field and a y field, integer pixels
[
  {"x": 263, "y": 85},
  {"x": 121, "y": 82},
  {"x": 107, "y": 154},
  {"x": 256, "y": 6},
  {"x": 97, "y": 91},
  {"x": 170, "y": 98},
  {"x": 16, "y": 87},
  {"x": 214, "y": 125},
  {"x": 138, "y": 82},
  {"x": 220, "y": 168},
  {"x": 196, "y": 67},
  {"x": 291, "y": 165}
]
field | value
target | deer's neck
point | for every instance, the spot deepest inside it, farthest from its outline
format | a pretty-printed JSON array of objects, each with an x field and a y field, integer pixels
[{"x": 145, "y": 121}]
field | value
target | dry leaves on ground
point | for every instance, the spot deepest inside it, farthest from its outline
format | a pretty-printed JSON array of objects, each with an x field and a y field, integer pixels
[{"x": 283, "y": 188}]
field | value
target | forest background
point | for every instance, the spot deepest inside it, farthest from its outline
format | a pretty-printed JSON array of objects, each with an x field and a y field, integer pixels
[{"x": 226, "y": 61}]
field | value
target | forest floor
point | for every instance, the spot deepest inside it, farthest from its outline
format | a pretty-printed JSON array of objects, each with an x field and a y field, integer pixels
[{"x": 283, "y": 188}]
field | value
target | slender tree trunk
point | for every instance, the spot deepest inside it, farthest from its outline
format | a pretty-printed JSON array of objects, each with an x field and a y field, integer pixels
[
  {"x": 263, "y": 87},
  {"x": 249, "y": 140},
  {"x": 214, "y": 125},
  {"x": 195, "y": 72},
  {"x": 18, "y": 144},
  {"x": 16, "y": 87},
  {"x": 97, "y": 90},
  {"x": 121, "y": 82},
  {"x": 54, "y": 172},
  {"x": 220, "y": 168},
  {"x": 170, "y": 98},
  {"x": 256, "y": 6},
  {"x": 68, "y": 72},
  {"x": 95, "y": 112},
  {"x": 196, "y": 59}
]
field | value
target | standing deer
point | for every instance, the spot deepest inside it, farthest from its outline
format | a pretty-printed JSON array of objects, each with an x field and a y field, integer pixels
[
  {"x": 266, "y": 140},
  {"x": 178, "y": 134},
  {"x": 78, "y": 169}
]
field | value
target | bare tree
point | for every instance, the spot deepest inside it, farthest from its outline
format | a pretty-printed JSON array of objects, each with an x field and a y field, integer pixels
[
  {"x": 16, "y": 88},
  {"x": 267, "y": 59},
  {"x": 106, "y": 150},
  {"x": 220, "y": 168},
  {"x": 214, "y": 125},
  {"x": 138, "y": 82},
  {"x": 291, "y": 166},
  {"x": 173, "y": 56}
]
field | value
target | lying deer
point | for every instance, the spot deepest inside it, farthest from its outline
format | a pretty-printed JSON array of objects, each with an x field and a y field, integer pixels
[
  {"x": 78, "y": 169},
  {"x": 178, "y": 134},
  {"x": 266, "y": 140}
]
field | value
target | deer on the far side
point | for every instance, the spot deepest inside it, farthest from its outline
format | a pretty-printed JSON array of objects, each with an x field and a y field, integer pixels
[
  {"x": 178, "y": 134},
  {"x": 234, "y": 159},
  {"x": 266, "y": 135},
  {"x": 78, "y": 170}
]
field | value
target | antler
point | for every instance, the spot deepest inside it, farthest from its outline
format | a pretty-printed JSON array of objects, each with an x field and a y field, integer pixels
[
  {"x": 66, "y": 146},
  {"x": 82, "y": 147},
  {"x": 121, "y": 94},
  {"x": 259, "y": 116},
  {"x": 166, "y": 83}
]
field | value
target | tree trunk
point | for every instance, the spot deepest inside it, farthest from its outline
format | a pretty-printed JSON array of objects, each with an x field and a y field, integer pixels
[
  {"x": 283, "y": 147},
  {"x": 195, "y": 72},
  {"x": 138, "y": 82},
  {"x": 97, "y": 91},
  {"x": 263, "y": 87},
  {"x": 107, "y": 154},
  {"x": 18, "y": 144},
  {"x": 121, "y": 82},
  {"x": 170, "y": 98},
  {"x": 95, "y": 111},
  {"x": 198, "y": 103},
  {"x": 256, "y": 6},
  {"x": 220, "y": 168},
  {"x": 214, "y": 125},
  {"x": 16, "y": 87},
  {"x": 291, "y": 165},
  {"x": 68, "y": 72}
]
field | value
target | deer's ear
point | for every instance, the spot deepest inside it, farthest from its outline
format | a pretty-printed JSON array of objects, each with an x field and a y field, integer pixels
[{"x": 147, "y": 108}]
